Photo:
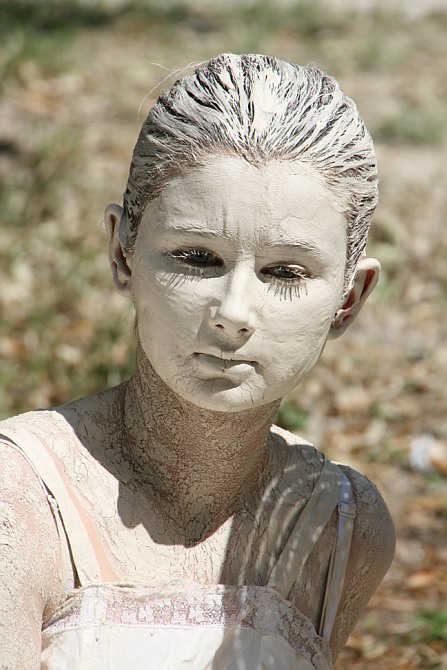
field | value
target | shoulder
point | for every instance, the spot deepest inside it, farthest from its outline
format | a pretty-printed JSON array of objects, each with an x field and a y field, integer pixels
[
  {"x": 374, "y": 537},
  {"x": 68, "y": 418},
  {"x": 372, "y": 551},
  {"x": 374, "y": 525},
  {"x": 298, "y": 464},
  {"x": 26, "y": 470},
  {"x": 373, "y": 520},
  {"x": 295, "y": 449},
  {"x": 60, "y": 430},
  {"x": 280, "y": 435},
  {"x": 39, "y": 421},
  {"x": 30, "y": 566},
  {"x": 30, "y": 559},
  {"x": 25, "y": 513}
]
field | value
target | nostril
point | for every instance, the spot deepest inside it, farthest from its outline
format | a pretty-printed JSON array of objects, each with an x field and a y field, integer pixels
[{"x": 219, "y": 325}]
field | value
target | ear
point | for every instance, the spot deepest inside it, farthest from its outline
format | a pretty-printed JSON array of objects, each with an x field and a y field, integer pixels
[
  {"x": 121, "y": 270},
  {"x": 365, "y": 279}
]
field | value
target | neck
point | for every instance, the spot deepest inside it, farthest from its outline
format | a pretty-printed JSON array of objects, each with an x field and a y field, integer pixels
[{"x": 200, "y": 466}]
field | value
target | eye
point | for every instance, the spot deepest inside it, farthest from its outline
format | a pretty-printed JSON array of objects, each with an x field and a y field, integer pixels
[
  {"x": 286, "y": 280},
  {"x": 286, "y": 273},
  {"x": 195, "y": 257}
]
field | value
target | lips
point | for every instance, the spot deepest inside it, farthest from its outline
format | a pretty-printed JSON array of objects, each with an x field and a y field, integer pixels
[
  {"x": 225, "y": 365},
  {"x": 226, "y": 358}
]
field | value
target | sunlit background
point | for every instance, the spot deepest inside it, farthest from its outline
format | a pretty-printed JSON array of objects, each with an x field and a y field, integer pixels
[{"x": 77, "y": 79}]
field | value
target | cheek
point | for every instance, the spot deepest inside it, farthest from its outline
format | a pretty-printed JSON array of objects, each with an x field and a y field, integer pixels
[
  {"x": 308, "y": 315},
  {"x": 297, "y": 330},
  {"x": 175, "y": 306}
]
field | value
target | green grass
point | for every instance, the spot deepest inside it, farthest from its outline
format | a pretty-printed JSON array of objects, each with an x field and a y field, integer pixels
[
  {"x": 53, "y": 15},
  {"x": 290, "y": 417},
  {"x": 43, "y": 163},
  {"x": 412, "y": 126},
  {"x": 64, "y": 154},
  {"x": 432, "y": 626}
]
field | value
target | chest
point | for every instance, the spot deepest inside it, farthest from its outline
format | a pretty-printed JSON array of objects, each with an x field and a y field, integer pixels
[
  {"x": 133, "y": 543},
  {"x": 140, "y": 549},
  {"x": 242, "y": 550}
]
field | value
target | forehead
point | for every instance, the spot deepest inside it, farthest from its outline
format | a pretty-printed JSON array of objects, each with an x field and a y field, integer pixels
[{"x": 231, "y": 197}]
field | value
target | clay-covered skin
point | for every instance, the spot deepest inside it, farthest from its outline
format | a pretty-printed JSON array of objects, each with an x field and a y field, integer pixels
[
  {"x": 236, "y": 277},
  {"x": 30, "y": 562},
  {"x": 143, "y": 548}
]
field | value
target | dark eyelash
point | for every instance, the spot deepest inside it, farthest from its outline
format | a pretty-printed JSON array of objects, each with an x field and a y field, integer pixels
[
  {"x": 285, "y": 289},
  {"x": 181, "y": 253},
  {"x": 176, "y": 280},
  {"x": 192, "y": 271},
  {"x": 282, "y": 287},
  {"x": 185, "y": 255}
]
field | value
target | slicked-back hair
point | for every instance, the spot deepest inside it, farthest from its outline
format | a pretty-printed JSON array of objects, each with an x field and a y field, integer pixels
[{"x": 258, "y": 108}]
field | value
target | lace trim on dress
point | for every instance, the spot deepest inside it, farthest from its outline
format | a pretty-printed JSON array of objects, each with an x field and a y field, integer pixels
[{"x": 194, "y": 606}]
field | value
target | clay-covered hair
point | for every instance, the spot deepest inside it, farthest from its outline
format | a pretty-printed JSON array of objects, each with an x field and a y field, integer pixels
[{"x": 261, "y": 109}]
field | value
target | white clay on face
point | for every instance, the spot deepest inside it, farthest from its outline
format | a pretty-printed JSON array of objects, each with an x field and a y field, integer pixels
[{"x": 237, "y": 274}]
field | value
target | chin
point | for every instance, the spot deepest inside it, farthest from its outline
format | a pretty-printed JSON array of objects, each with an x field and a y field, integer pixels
[{"x": 224, "y": 396}]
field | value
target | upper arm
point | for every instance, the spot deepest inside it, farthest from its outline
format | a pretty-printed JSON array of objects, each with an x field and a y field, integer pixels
[
  {"x": 372, "y": 552},
  {"x": 30, "y": 579}
]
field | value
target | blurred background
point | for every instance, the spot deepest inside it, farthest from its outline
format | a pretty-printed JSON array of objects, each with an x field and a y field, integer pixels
[{"x": 77, "y": 79}]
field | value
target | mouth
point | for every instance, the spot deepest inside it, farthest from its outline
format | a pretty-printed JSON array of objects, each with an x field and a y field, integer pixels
[
  {"x": 225, "y": 363},
  {"x": 224, "y": 356}
]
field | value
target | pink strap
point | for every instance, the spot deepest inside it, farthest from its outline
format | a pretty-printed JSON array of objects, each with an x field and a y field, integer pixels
[{"x": 70, "y": 525}]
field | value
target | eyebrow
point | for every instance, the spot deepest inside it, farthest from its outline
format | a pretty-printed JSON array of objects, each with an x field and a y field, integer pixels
[
  {"x": 302, "y": 245},
  {"x": 193, "y": 230}
]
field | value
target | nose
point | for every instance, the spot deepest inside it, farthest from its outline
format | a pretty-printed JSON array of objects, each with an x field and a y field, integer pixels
[{"x": 235, "y": 312}]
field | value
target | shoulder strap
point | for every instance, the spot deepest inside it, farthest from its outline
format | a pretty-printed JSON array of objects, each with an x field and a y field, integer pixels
[
  {"x": 308, "y": 529},
  {"x": 339, "y": 560},
  {"x": 65, "y": 505}
]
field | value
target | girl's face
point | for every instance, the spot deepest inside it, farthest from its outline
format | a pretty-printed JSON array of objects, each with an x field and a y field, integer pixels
[{"x": 236, "y": 275}]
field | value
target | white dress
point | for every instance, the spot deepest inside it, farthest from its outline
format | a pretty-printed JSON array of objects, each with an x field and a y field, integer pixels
[{"x": 177, "y": 626}]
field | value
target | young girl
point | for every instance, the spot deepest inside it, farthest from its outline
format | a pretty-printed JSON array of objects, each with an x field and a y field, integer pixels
[{"x": 166, "y": 523}]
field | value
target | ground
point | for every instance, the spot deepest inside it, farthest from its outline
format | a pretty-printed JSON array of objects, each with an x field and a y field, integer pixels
[{"x": 77, "y": 80}]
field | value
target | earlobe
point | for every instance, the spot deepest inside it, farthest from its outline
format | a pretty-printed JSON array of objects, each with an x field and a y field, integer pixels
[
  {"x": 365, "y": 279},
  {"x": 121, "y": 270}
]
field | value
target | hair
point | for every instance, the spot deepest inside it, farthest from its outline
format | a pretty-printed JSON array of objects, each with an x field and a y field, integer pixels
[{"x": 258, "y": 108}]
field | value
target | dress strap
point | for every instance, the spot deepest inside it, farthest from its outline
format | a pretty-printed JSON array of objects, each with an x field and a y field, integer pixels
[
  {"x": 311, "y": 522},
  {"x": 339, "y": 559},
  {"x": 72, "y": 523}
]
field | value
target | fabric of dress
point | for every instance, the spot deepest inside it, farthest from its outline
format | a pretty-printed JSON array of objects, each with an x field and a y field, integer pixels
[{"x": 103, "y": 625}]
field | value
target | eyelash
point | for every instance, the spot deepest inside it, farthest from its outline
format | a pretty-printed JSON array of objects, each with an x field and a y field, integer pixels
[
  {"x": 197, "y": 270},
  {"x": 288, "y": 288},
  {"x": 184, "y": 255},
  {"x": 282, "y": 286}
]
